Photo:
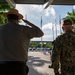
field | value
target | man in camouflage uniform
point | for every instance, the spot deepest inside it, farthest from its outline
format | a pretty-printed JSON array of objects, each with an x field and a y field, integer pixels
[{"x": 64, "y": 51}]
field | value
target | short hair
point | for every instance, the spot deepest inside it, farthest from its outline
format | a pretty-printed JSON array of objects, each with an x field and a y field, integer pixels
[
  {"x": 67, "y": 22},
  {"x": 12, "y": 17}
]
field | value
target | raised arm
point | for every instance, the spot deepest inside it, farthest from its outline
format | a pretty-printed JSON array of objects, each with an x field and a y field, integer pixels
[{"x": 34, "y": 26}]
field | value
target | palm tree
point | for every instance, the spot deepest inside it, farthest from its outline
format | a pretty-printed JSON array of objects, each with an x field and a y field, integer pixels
[
  {"x": 71, "y": 16},
  {"x": 3, "y": 8}
]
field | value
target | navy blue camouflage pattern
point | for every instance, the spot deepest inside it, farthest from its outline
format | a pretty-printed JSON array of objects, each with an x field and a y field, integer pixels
[{"x": 64, "y": 53}]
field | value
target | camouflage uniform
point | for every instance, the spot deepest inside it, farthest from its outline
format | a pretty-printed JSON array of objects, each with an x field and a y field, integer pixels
[{"x": 64, "y": 52}]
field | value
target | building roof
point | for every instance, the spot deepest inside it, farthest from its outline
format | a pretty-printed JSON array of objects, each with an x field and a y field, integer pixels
[{"x": 55, "y": 2}]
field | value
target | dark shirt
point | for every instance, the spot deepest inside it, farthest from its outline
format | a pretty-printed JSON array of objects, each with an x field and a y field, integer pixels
[{"x": 14, "y": 41}]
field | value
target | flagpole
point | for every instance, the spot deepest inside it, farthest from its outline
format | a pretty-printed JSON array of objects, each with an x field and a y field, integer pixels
[
  {"x": 53, "y": 30},
  {"x": 56, "y": 27},
  {"x": 60, "y": 22},
  {"x": 41, "y": 37}
]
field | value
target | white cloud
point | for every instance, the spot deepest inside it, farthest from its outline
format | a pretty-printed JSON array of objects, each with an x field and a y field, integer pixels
[
  {"x": 29, "y": 9},
  {"x": 37, "y": 8},
  {"x": 50, "y": 25},
  {"x": 74, "y": 7},
  {"x": 22, "y": 9},
  {"x": 47, "y": 26},
  {"x": 48, "y": 31},
  {"x": 40, "y": 8},
  {"x": 33, "y": 12},
  {"x": 48, "y": 37},
  {"x": 50, "y": 11},
  {"x": 36, "y": 39}
]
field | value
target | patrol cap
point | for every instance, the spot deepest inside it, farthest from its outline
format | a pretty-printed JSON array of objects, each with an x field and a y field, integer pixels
[{"x": 67, "y": 22}]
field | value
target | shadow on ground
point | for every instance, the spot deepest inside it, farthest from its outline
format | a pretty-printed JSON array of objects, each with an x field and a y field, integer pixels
[{"x": 36, "y": 62}]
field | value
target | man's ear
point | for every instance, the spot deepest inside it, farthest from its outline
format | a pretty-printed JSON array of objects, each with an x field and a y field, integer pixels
[{"x": 62, "y": 27}]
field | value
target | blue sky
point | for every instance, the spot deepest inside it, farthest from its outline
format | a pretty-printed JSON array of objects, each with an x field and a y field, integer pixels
[{"x": 50, "y": 18}]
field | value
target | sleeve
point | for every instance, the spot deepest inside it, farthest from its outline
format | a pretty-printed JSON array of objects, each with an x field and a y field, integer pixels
[
  {"x": 56, "y": 55},
  {"x": 33, "y": 32}
]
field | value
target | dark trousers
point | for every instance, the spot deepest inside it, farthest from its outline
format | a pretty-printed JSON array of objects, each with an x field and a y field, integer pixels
[{"x": 13, "y": 68}]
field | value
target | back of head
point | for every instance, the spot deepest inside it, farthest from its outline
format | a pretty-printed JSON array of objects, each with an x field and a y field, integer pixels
[
  {"x": 12, "y": 17},
  {"x": 14, "y": 12},
  {"x": 67, "y": 25},
  {"x": 67, "y": 22}
]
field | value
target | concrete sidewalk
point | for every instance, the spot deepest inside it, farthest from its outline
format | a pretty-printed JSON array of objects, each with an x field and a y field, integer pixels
[{"x": 38, "y": 63}]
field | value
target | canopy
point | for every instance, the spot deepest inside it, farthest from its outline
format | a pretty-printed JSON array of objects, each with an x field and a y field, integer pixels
[{"x": 55, "y": 2}]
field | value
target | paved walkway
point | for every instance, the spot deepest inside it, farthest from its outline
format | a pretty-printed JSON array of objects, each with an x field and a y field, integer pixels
[{"x": 38, "y": 63}]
